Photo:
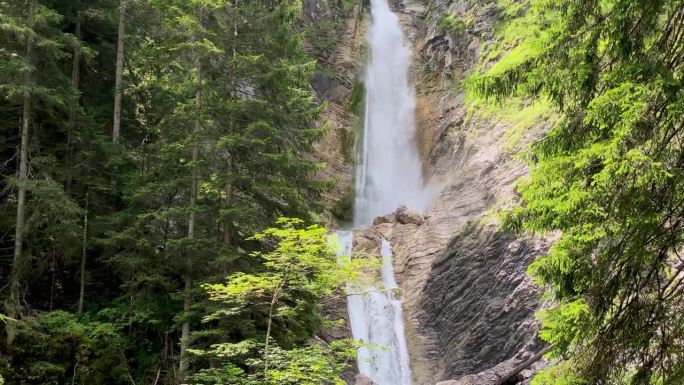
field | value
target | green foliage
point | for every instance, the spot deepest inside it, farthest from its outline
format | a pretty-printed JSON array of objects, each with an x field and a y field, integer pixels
[
  {"x": 301, "y": 261},
  {"x": 58, "y": 348},
  {"x": 347, "y": 5},
  {"x": 309, "y": 365},
  {"x": 559, "y": 374},
  {"x": 516, "y": 113},
  {"x": 31, "y": 49},
  {"x": 281, "y": 300},
  {"x": 357, "y": 98},
  {"x": 348, "y": 136},
  {"x": 514, "y": 32},
  {"x": 323, "y": 34},
  {"x": 608, "y": 178},
  {"x": 227, "y": 81},
  {"x": 343, "y": 209},
  {"x": 563, "y": 324},
  {"x": 355, "y": 105},
  {"x": 296, "y": 275},
  {"x": 451, "y": 23}
]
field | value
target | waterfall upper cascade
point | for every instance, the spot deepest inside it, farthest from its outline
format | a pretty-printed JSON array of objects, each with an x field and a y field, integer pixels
[
  {"x": 388, "y": 174},
  {"x": 388, "y": 170}
]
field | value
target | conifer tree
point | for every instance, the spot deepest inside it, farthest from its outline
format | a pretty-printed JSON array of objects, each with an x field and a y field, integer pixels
[
  {"x": 119, "y": 231},
  {"x": 31, "y": 39},
  {"x": 609, "y": 177}
]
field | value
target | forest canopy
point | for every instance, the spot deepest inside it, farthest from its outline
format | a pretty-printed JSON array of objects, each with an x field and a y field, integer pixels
[{"x": 149, "y": 149}]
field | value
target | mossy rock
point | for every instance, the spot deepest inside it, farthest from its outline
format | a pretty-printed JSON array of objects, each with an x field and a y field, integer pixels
[
  {"x": 451, "y": 24},
  {"x": 357, "y": 97},
  {"x": 343, "y": 209}
]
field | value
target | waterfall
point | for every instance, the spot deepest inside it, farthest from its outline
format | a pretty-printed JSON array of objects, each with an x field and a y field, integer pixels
[
  {"x": 388, "y": 174},
  {"x": 388, "y": 170},
  {"x": 375, "y": 318}
]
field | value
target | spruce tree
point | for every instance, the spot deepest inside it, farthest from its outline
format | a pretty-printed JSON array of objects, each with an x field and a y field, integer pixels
[
  {"x": 610, "y": 177},
  {"x": 217, "y": 123},
  {"x": 31, "y": 40}
]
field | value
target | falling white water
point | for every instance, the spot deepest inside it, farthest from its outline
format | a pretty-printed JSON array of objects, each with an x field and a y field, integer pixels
[
  {"x": 376, "y": 320},
  {"x": 388, "y": 173}
]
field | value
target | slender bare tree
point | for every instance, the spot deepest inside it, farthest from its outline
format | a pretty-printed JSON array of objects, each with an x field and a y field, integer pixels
[
  {"x": 183, "y": 364},
  {"x": 14, "y": 300},
  {"x": 73, "y": 103},
  {"x": 81, "y": 295},
  {"x": 116, "y": 129}
]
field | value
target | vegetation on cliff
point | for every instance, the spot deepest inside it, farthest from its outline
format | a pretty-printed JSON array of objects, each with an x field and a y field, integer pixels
[{"x": 609, "y": 176}]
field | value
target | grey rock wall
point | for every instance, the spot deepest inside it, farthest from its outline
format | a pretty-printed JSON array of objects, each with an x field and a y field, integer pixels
[
  {"x": 469, "y": 306},
  {"x": 480, "y": 300}
]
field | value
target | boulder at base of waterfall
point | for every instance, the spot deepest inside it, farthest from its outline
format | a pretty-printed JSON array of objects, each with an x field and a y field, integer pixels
[
  {"x": 362, "y": 379},
  {"x": 406, "y": 216},
  {"x": 389, "y": 218}
]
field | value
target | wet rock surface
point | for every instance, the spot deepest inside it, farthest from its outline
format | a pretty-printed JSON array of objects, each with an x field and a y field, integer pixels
[
  {"x": 478, "y": 291},
  {"x": 406, "y": 216},
  {"x": 468, "y": 302},
  {"x": 363, "y": 380},
  {"x": 505, "y": 373}
]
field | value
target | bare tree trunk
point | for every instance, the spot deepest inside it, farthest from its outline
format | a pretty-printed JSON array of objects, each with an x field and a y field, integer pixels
[
  {"x": 230, "y": 187},
  {"x": 268, "y": 334},
  {"x": 116, "y": 129},
  {"x": 183, "y": 364},
  {"x": 230, "y": 193},
  {"x": 13, "y": 303},
  {"x": 510, "y": 375},
  {"x": 81, "y": 296},
  {"x": 73, "y": 105},
  {"x": 185, "y": 328},
  {"x": 274, "y": 299}
]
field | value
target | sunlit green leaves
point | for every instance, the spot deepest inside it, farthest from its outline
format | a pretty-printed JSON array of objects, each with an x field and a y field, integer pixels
[
  {"x": 607, "y": 178},
  {"x": 299, "y": 268},
  {"x": 564, "y": 323}
]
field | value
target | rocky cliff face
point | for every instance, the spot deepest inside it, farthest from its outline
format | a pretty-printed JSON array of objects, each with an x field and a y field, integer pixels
[
  {"x": 336, "y": 33},
  {"x": 468, "y": 304}
]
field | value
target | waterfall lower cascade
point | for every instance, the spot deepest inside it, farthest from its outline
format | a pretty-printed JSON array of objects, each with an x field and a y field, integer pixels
[
  {"x": 388, "y": 175},
  {"x": 376, "y": 320}
]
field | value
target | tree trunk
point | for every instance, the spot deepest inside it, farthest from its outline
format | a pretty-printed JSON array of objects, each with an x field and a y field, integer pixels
[
  {"x": 508, "y": 376},
  {"x": 230, "y": 187},
  {"x": 274, "y": 300},
  {"x": 183, "y": 364},
  {"x": 116, "y": 129},
  {"x": 230, "y": 193},
  {"x": 185, "y": 328},
  {"x": 81, "y": 296},
  {"x": 13, "y": 303},
  {"x": 268, "y": 334},
  {"x": 73, "y": 104}
]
